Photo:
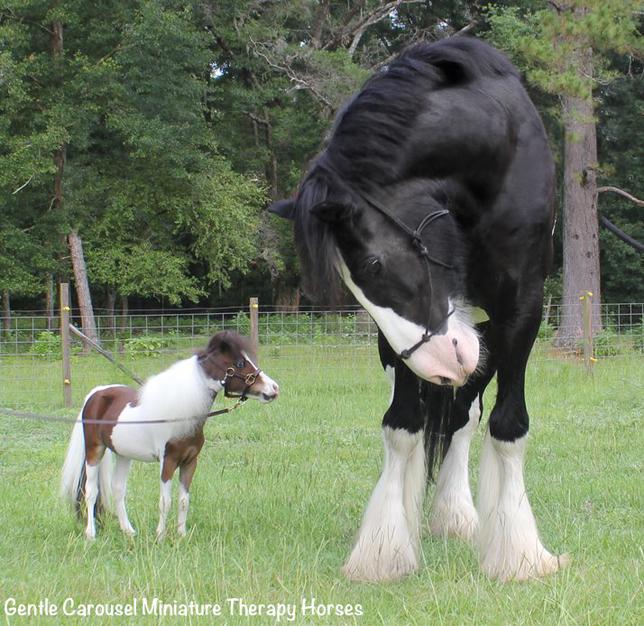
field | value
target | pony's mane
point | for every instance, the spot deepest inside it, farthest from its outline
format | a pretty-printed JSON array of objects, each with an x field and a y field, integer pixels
[{"x": 368, "y": 135}]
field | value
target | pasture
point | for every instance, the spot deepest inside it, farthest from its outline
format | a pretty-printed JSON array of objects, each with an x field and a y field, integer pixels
[{"x": 281, "y": 488}]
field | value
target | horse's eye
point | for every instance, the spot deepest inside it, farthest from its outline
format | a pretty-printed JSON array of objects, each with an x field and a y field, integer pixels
[
  {"x": 373, "y": 265},
  {"x": 240, "y": 363}
]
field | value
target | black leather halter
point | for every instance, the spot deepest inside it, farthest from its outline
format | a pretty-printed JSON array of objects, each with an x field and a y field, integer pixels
[{"x": 423, "y": 251}]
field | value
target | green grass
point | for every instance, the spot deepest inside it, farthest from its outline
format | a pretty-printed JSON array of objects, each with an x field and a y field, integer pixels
[{"x": 280, "y": 490}]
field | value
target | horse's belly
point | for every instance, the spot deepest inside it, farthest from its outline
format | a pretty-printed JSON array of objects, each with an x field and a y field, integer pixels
[{"x": 137, "y": 441}]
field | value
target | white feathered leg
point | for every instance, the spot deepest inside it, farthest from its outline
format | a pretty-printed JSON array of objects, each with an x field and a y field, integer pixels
[
  {"x": 453, "y": 513},
  {"x": 389, "y": 538},
  {"x": 508, "y": 541}
]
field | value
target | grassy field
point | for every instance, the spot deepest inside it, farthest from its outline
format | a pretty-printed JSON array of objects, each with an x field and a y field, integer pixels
[{"x": 280, "y": 490}]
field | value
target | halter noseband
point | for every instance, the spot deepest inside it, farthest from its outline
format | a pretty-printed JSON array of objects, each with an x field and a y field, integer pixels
[
  {"x": 423, "y": 251},
  {"x": 249, "y": 380}
]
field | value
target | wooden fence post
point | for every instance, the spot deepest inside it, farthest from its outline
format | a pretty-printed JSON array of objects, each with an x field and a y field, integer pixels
[
  {"x": 66, "y": 343},
  {"x": 254, "y": 324},
  {"x": 587, "y": 315}
]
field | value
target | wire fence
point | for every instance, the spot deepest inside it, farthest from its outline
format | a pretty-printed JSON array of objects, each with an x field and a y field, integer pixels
[{"x": 30, "y": 345}]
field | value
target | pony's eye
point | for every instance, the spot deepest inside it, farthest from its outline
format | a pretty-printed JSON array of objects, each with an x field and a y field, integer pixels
[
  {"x": 240, "y": 363},
  {"x": 373, "y": 265}
]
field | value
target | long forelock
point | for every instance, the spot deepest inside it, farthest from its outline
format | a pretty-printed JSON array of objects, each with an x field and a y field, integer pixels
[{"x": 316, "y": 244}]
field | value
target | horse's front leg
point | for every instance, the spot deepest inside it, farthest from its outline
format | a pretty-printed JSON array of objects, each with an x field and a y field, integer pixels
[
  {"x": 186, "y": 472},
  {"x": 388, "y": 543},
  {"x": 168, "y": 468},
  {"x": 508, "y": 541}
]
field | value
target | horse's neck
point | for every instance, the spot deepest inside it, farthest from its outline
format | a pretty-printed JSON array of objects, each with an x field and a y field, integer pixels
[{"x": 181, "y": 391}]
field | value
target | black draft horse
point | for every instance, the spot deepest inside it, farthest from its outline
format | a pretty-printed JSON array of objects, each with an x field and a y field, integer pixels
[{"x": 433, "y": 199}]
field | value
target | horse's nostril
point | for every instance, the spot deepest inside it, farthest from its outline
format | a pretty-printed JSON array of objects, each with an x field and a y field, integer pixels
[{"x": 455, "y": 342}]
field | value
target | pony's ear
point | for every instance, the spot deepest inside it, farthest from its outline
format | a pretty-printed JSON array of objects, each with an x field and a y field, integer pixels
[
  {"x": 221, "y": 342},
  {"x": 331, "y": 212},
  {"x": 283, "y": 208}
]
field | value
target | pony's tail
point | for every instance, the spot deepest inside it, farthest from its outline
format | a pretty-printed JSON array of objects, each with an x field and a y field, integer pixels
[
  {"x": 436, "y": 404},
  {"x": 72, "y": 484}
]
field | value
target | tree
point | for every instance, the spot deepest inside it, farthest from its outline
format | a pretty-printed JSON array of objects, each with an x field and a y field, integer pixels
[
  {"x": 128, "y": 166},
  {"x": 561, "y": 48},
  {"x": 284, "y": 69}
]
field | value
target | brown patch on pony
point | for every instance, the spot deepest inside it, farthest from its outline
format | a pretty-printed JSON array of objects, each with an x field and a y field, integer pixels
[
  {"x": 104, "y": 405},
  {"x": 182, "y": 453}
]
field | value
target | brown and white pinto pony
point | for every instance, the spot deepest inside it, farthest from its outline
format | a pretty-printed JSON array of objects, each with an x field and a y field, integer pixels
[{"x": 163, "y": 421}]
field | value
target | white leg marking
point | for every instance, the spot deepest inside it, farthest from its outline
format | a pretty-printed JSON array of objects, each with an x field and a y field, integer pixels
[
  {"x": 453, "y": 513},
  {"x": 165, "y": 501},
  {"x": 184, "y": 504},
  {"x": 119, "y": 488},
  {"x": 388, "y": 540},
  {"x": 91, "y": 495},
  {"x": 508, "y": 540}
]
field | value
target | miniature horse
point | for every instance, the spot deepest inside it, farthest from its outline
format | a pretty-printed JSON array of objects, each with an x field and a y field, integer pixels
[
  {"x": 434, "y": 196},
  {"x": 163, "y": 421}
]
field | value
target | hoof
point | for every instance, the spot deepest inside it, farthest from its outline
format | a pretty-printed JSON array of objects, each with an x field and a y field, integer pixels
[
  {"x": 376, "y": 564},
  {"x": 449, "y": 522},
  {"x": 527, "y": 568}
]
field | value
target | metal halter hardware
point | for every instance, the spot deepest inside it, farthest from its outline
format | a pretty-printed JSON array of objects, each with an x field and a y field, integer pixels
[
  {"x": 423, "y": 251},
  {"x": 249, "y": 380}
]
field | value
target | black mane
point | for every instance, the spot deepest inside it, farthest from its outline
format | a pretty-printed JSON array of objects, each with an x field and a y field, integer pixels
[{"x": 367, "y": 146}]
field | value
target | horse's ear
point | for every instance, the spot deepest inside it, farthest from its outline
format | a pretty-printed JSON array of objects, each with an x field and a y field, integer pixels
[
  {"x": 283, "y": 208},
  {"x": 221, "y": 342},
  {"x": 331, "y": 212}
]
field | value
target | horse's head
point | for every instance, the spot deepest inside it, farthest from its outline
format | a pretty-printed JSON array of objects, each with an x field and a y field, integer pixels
[
  {"x": 227, "y": 360},
  {"x": 409, "y": 284}
]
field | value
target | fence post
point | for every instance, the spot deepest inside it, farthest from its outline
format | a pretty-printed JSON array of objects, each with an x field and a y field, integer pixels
[
  {"x": 254, "y": 324},
  {"x": 586, "y": 303},
  {"x": 66, "y": 343}
]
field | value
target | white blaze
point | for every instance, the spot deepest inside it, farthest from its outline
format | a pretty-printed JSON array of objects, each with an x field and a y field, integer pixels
[{"x": 453, "y": 356}]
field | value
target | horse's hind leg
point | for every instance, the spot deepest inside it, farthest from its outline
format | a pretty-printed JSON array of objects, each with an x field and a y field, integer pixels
[
  {"x": 119, "y": 487},
  {"x": 453, "y": 513}
]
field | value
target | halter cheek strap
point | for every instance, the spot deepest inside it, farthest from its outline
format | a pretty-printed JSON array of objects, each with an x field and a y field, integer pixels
[
  {"x": 249, "y": 380},
  {"x": 420, "y": 247}
]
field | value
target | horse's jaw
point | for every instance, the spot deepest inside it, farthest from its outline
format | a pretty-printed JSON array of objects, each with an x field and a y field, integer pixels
[{"x": 447, "y": 359}]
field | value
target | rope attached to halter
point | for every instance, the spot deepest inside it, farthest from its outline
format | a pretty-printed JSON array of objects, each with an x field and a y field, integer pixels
[
  {"x": 420, "y": 247},
  {"x": 73, "y": 420}
]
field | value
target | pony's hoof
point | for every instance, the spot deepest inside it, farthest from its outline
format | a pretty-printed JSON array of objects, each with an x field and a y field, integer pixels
[
  {"x": 182, "y": 532},
  {"x": 89, "y": 536},
  {"x": 129, "y": 532},
  {"x": 161, "y": 535}
]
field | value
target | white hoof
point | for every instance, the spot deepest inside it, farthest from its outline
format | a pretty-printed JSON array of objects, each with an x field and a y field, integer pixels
[
  {"x": 526, "y": 566},
  {"x": 380, "y": 561},
  {"x": 454, "y": 520}
]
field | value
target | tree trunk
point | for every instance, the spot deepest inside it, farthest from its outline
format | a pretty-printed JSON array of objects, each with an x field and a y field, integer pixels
[
  {"x": 88, "y": 322},
  {"x": 49, "y": 301},
  {"x": 6, "y": 312},
  {"x": 581, "y": 272},
  {"x": 111, "y": 306}
]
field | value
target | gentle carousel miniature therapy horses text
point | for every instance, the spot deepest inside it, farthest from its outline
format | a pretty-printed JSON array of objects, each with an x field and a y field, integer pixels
[
  {"x": 163, "y": 421},
  {"x": 433, "y": 195}
]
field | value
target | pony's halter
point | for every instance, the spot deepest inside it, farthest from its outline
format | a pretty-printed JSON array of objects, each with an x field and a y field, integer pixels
[
  {"x": 249, "y": 380},
  {"x": 423, "y": 251}
]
